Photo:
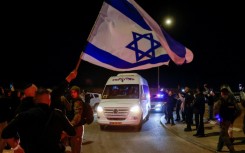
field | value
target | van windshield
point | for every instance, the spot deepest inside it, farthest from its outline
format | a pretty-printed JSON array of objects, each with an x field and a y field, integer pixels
[{"x": 124, "y": 91}]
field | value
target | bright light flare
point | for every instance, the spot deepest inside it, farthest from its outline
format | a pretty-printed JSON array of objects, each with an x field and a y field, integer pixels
[
  {"x": 135, "y": 109},
  {"x": 168, "y": 21},
  {"x": 99, "y": 109}
]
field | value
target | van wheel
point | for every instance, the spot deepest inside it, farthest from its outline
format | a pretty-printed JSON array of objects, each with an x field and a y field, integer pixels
[
  {"x": 102, "y": 127},
  {"x": 139, "y": 126}
]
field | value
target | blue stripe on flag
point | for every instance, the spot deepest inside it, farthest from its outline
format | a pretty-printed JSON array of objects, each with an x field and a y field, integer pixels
[
  {"x": 130, "y": 11},
  {"x": 110, "y": 59}
]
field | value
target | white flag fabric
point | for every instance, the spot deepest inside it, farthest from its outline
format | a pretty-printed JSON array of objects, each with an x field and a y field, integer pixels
[{"x": 126, "y": 38}]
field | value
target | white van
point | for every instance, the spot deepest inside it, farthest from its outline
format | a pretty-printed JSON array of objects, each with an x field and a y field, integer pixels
[{"x": 125, "y": 101}]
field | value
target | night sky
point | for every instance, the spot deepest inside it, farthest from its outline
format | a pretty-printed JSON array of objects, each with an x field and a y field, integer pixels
[{"x": 42, "y": 42}]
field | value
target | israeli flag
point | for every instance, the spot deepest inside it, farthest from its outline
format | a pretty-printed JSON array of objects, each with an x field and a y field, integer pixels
[{"x": 126, "y": 38}]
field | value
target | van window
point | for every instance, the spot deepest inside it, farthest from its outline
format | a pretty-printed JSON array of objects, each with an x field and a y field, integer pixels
[{"x": 124, "y": 91}]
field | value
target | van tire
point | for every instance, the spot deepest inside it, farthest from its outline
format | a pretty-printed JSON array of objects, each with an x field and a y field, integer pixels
[
  {"x": 102, "y": 127},
  {"x": 139, "y": 126}
]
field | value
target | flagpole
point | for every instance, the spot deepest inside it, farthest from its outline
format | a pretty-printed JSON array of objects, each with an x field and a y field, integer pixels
[{"x": 79, "y": 61}]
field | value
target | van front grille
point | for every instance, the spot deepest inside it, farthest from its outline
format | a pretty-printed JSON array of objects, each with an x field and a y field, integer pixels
[{"x": 116, "y": 113}]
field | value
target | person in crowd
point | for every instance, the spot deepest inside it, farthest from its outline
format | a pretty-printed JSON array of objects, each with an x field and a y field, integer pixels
[
  {"x": 64, "y": 104},
  {"x": 199, "y": 110},
  {"x": 75, "y": 117},
  {"x": 210, "y": 98},
  {"x": 243, "y": 104},
  {"x": 27, "y": 102},
  {"x": 41, "y": 128},
  {"x": 1, "y": 90},
  {"x": 12, "y": 97},
  {"x": 15, "y": 97},
  {"x": 242, "y": 95},
  {"x": 182, "y": 108},
  {"x": 188, "y": 108},
  {"x": 59, "y": 99},
  {"x": 165, "y": 111},
  {"x": 224, "y": 108},
  {"x": 232, "y": 98},
  {"x": 170, "y": 107},
  {"x": 5, "y": 109},
  {"x": 178, "y": 104}
]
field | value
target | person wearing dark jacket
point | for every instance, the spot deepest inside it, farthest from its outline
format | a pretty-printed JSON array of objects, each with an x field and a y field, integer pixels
[
  {"x": 4, "y": 116},
  {"x": 171, "y": 102},
  {"x": 27, "y": 102},
  {"x": 199, "y": 110},
  {"x": 41, "y": 128},
  {"x": 188, "y": 108},
  {"x": 224, "y": 107},
  {"x": 242, "y": 95}
]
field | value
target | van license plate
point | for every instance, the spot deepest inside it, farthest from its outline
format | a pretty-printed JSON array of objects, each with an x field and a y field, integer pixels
[{"x": 115, "y": 123}]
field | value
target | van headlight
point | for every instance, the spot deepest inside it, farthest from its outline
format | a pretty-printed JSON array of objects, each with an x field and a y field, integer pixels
[
  {"x": 135, "y": 109},
  {"x": 99, "y": 109}
]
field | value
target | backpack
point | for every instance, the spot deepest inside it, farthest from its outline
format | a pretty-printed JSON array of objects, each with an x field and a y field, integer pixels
[
  {"x": 88, "y": 114},
  {"x": 229, "y": 110}
]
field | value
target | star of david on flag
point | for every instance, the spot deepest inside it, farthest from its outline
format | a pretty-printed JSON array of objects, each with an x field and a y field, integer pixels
[
  {"x": 139, "y": 53},
  {"x": 126, "y": 38}
]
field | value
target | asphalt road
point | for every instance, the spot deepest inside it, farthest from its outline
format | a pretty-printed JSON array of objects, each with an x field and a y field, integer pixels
[{"x": 153, "y": 138}]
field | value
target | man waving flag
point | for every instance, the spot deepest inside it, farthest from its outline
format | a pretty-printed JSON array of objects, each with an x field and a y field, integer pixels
[{"x": 126, "y": 38}]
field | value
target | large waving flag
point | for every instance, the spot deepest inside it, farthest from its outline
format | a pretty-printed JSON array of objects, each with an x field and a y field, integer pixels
[{"x": 126, "y": 38}]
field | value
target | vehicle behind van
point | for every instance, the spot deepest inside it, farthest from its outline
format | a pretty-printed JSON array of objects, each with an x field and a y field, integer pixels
[
  {"x": 125, "y": 101},
  {"x": 94, "y": 99}
]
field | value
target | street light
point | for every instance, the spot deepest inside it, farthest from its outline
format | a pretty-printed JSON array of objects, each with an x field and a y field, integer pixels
[{"x": 168, "y": 22}]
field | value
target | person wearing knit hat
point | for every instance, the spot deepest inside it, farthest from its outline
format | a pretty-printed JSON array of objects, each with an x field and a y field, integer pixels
[
  {"x": 75, "y": 117},
  {"x": 76, "y": 88}
]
